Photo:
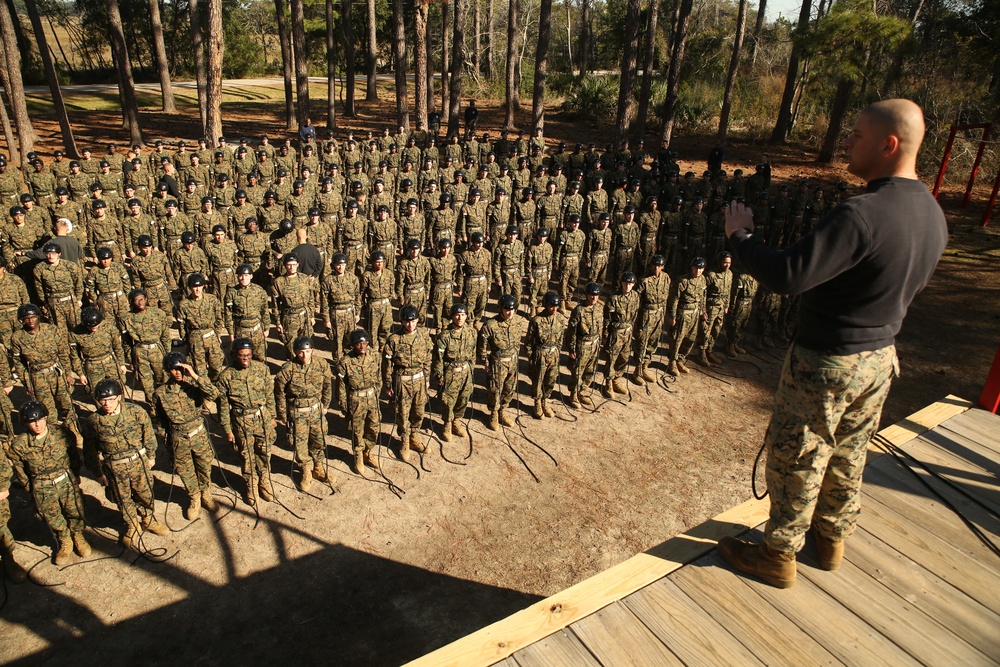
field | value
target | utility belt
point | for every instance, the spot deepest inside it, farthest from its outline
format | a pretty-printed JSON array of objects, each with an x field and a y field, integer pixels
[
  {"x": 308, "y": 408},
  {"x": 442, "y": 286},
  {"x": 456, "y": 366},
  {"x": 718, "y": 303},
  {"x": 476, "y": 279},
  {"x": 588, "y": 341},
  {"x": 362, "y": 393},
  {"x": 349, "y": 308},
  {"x": 46, "y": 368},
  {"x": 548, "y": 349},
  {"x": 148, "y": 346},
  {"x": 414, "y": 289},
  {"x": 654, "y": 307},
  {"x": 602, "y": 253},
  {"x": 108, "y": 242},
  {"x": 621, "y": 326},
  {"x": 378, "y": 302},
  {"x": 197, "y": 333},
  {"x": 99, "y": 360},
  {"x": 403, "y": 375},
  {"x": 288, "y": 312},
  {"x": 196, "y": 430},
  {"x": 112, "y": 295},
  {"x": 505, "y": 355},
  {"x": 47, "y": 480},
  {"x": 128, "y": 457},
  {"x": 246, "y": 325},
  {"x": 248, "y": 412},
  {"x": 61, "y": 299}
]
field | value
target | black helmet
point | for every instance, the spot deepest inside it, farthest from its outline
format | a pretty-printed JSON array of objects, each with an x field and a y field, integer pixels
[
  {"x": 172, "y": 360},
  {"x": 32, "y": 411},
  {"x": 507, "y": 302},
  {"x": 218, "y": 228},
  {"x": 593, "y": 289},
  {"x": 16, "y": 210},
  {"x": 27, "y": 310},
  {"x": 104, "y": 253},
  {"x": 242, "y": 344},
  {"x": 412, "y": 201},
  {"x": 290, "y": 257},
  {"x": 658, "y": 260},
  {"x": 444, "y": 243},
  {"x": 511, "y": 229},
  {"x": 378, "y": 255},
  {"x": 408, "y": 313},
  {"x": 107, "y": 388},
  {"x": 244, "y": 269},
  {"x": 298, "y": 184},
  {"x": 699, "y": 200},
  {"x": 382, "y": 209},
  {"x": 352, "y": 203},
  {"x": 52, "y": 247},
  {"x": 458, "y": 307},
  {"x": 187, "y": 237},
  {"x": 677, "y": 200},
  {"x": 445, "y": 197},
  {"x": 144, "y": 240},
  {"x": 542, "y": 232},
  {"x": 629, "y": 208},
  {"x": 133, "y": 202},
  {"x": 91, "y": 317},
  {"x": 196, "y": 280},
  {"x": 552, "y": 299},
  {"x": 574, "y": 219},
  {"x": 302, "y": 343},
  {"x": 62, "y": 191},
  {"x": 138, "y": 291},
  {"x": 725, "y": 254},
  {"x": 286, "y": 225},
  {"x": 270, "y": 195},
  {"x": 475, "y": 192},
  {"x": 477, "y": 237},
  {"x": 698, "y": 262},
  {"x": 358, "y": 336},
  {"x": 100, "y": 203},
  {"x": 412, "y": 244},
  {"x": 604, "y": 217},
  {"x": 628, "y": 277},
  {"x": 206, "y": 200},
  {"x": 339, "y": 258}
]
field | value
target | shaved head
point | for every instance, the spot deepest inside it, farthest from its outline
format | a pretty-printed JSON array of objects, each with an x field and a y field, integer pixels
[
  {"x": 901, "y": 118},
  {"x": 885, "y": 140}
]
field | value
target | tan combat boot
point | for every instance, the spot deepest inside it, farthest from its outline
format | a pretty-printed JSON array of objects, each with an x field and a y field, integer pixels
[
  {"x": 585, "y": 401},
  {"x": 446, "y": 432},
  {"x": 830, "y": 553},
  {"x": 682, "y": 367},
  {"x": 546, "y": 410},
  {"x": 264, "y": 491},
  {"x": 702, "y": 358},
  {"x": 647, "y": 374},
  {"x": 130, "y": 540},
  {"x": 458, "y": 429},
  {"x": 65, "y": 552},
  {"x": 637, "y": 377},
  {"x": 404, "y": 447},
  {"x": 494, "y": 424},
  {"x": 770, "y": 566},
  {"x": 155, "y": 527},
  {"x": 673, "y": 369},
  {"x": 307, "y": 479},
  {"x": 371, "y": 461},
  {"x": 416, "y": 444},
  {"x": 319, "y": 470},
  {"x": 607, "y": 390},
  {"x": 208, "y": 502},
  {"x": 193, "y": 510},
  {"x": 539, "y": 413},
  {"x": 711, "y": 357},
  {"x": 574, "y": 400},
  {"x": 11, "y": 567},
  {"x": 81, "y": 545},
  {"x": 739, "y": 348},
  {"x": 731, "y": 351},
  {"x": 619, "y": 386},
  {"x": 505, "y": 419},
  {"x": 359, "y": 462}
]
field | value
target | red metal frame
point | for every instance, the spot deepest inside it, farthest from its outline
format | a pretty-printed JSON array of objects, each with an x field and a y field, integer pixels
[
  {"x": 990, "y": 398},
  {"x": 986, "y": 128}
]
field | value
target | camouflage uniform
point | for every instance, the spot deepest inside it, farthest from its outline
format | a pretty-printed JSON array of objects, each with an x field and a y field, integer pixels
[
  {"x": 246, "y": 408},
  {"x": 360, "y": 376},
  {"x": 477, "y": 265},
  {"x": 686, "y": 307},
  {"x": 340, "y": 307},
  {"x": 413, "y": 282},
  {"x": 624, "y": 243},
  {"x": 13, "y": 295},
  {"x": 740, "y": 304},
  {"x": 499, "y": 345},
  {"x": 187, "y": 261},
  {"x": 149, "y": 335},
  {"x": 377, "y": 290},
  {"x": 407, "y": 370},
  {"x": 302, "y": 394},
  {"x": 596, "y": 253},
  {"x": 122, "y": 446},
  {"x": 454, "y": 363},
  {"x": 718, "y": 287},
  {"x": 654, "y": 291},
  {"x": 96, "y": 354},
  {"x": 767, "y": 310},
  {"x": 61, "y": 287},
  {"x": 619, "y": 318},
  {"x": 545, "y": 342},
  {"x": 201, "y": 324},
  {"x": 585, "y": 329},
  {"x": 443, "y": 272},
  {"x": 107, "y": 289},
  {"x": 178, "y": 405},
  {"x": 508, "y": 265},
  {"x": 539, "y": 271},
  {"x": 44, "y": 369},
  {"x": 222, "y": 263},
  {"x": 570, "y": 248},
  {"x": 247, "y": 316},
  {"x": 294, "y": 306}
]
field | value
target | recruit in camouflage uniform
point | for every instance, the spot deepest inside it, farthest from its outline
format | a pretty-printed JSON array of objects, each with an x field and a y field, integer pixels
[
  {"x": 14, "y": 571},
  {"x": 201, "y": 326},
  {"x": 303, "y": 389},
  {"x": 340, "y": 304},
  {"x": 408, "y": 355},
  {"x": 508, "y": 265},
  {"x": 247, "y": 414},
  {"x": 378, "y": 288},
  {"x": 120, "y": 451},
  {"x": 454, "y": 362},
  {"x": 359, "y": 372},
  {"x": 294, "y": 302},
  {"x": 740, "y": 304},
  {"x": 619, "y": 319},
  {"x": 654, "y": 291},
  {"x": 59, "y": 283},
  {"x": 444, "y": 269},
  {"x": 47, "y": 462},
  {"x": 539, "y": 268},
  {"x": 246, "y": 312},
  {"x": 718, "y": 288},
  {"x": 178, "y": 404},
  {"x": 477, "y": 266},
  {"x": 546, "y": 333},
  {"x": 149, "y": 337},
  {"x": 106, "y": 286},
  {"x": 499, "y": 345},
  {"x": 413, "y": 279},
  {"x": 687, "y": 309},
  {"x": 96, "y": 349},
  {"x": 585, "y": 329},
  {"x": 13, "y": 295},
  {"x": 570, "y": 247}
]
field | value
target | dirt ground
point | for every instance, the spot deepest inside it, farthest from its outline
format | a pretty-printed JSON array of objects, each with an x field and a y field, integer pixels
[{"x": 382, "y": 570}]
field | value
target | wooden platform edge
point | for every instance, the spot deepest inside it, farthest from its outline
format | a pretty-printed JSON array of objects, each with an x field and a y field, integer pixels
[{"x": 501, "y": 639}]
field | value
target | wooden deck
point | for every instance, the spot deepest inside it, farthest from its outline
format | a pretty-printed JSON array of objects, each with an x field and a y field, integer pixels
[{"x": 917, "y": 586}]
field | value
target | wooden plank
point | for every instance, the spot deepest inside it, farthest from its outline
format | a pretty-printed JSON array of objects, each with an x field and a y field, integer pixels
[
  {"x": 892, "y": 484},
  {"x": 902, "y": 622},
  {"x": 967, "y": 447},
  {"x": 931, "y": 552},
  {"x": 506, "y": 662},
  {"x": 979, "y": 425},
  {"x": 948, "y": 605},
  {"x": 850, "y": 638},
  {"x": 501, "y": 639},
  {"x": 558, "y": 649},
  {"x": 686, "y": 628},
  {"x": 616, "y": 637},
  {"x": 735, "y": 606},
  {"x": 979, "y": 483}
]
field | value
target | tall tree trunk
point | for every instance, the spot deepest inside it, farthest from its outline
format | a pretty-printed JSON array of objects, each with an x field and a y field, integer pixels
[
  {"x": 758, "y": 30},
  {"x": 8, "y": 131},
  {"x": 784, "y": 123},
  {"x": 50, "y": 73},
  {"x": 285, "y": 39},
  {"x": 199, "y": 59},
  {"x": 569, "y": 37},
  {"x": 215, "y": 51},
  {"x": 301, "y": 62},
  {"x": 66, "y": 62},
  {"x": 445, "y": 54},
  {"x": 345, "y": 17},
  {"x": 160, "y": 49},
  {"x": 126, "y": 86},
  {"x": 896, "y": 68},
  {"x": 399, "y": 58},
  {"x": 477, "y": 40},
  {"x": 372, "y": 93},
  {"x": 488, "y": 42},
  {"x": 457, "y": 65},
  {"x": 24, "y": 46},
  {"x": 583, "y": 48},
  {"x": 421, "y": 60},
  {"x": 13, "y": 85},
  {"x": 639, "y": 130},
  {"x": 512, "y": 102},
  {"x": 331, "y": 70},
  {"x": 674, "y": 73},
  {"x": 734, "y": 65},
  {"x": 841, "y": 100},
  {"x": 541, "y": 65},
  {"x": 626, "y": 85},
  {"x": 429, "y": 55}
]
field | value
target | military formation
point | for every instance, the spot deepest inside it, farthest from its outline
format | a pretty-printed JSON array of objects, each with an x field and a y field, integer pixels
[{"x": 411, "y": 261}]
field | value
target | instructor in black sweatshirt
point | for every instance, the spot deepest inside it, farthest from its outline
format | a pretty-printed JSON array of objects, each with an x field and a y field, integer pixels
[{"x": 857, "y": 273}]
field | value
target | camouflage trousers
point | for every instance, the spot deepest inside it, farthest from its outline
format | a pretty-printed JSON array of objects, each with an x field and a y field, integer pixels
[
  {"x": 63, "y": 312},
  {"x": 8, "y": 325},
  {"x": 147, "y": 360},
  {"x": 342, "y": 322},
  {"x": 50, "y": 389},
  {"x": 411, "y": 399},
  {"x": 416, "y": 296},
  {"x": 456, "y": 391},
  {"x": 539, "y": 286},
  {"x": 365, "y": 418},
  {"x": 379, "y": 320},
  {"x": 544, "y": 371},
  {"x": 685, "y": 331},
  {"x": 767, "y": 310},
  {"x": 131, "y": 486},
  {"x": 442, "y": 296},
  {"x": 710, "y": 328},
  {"x": 307, "y": 431},
  {"x": 503, "y": 379},
  {"x": 670, "y": 254},
  {"x": 205, "y": 352},
  {"x": 222, "y": 280},
  {"x": 59, "y": 503},
  {"x": 736, "y": 323},
  {"x": 569, "y": 276},
  {"x": 599, "y": 268},
  {"x": 99, "y": 369},
  {"x": 159, "y": 297},
  {"x": 826, "y": 410},
  {"x": 588, "y": 353},
  {"x": 254, "y": 435},
  {"x": 296, "y": 323},
  {"x": 6, "y": 538},
  {"x": 114, "y": 305},
  {"x": 476, "y": 295},
  {"x": 647, "y": 337},
  {"x": 511, "y": 282},
  {"x": 619, "y": 350},
  {"x": 258, "y": 339},
  {"x": 624, "y": 261},
  {"x": 193, "y": 456}
]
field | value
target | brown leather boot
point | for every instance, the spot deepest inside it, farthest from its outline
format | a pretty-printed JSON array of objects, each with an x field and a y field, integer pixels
[
  {"x": 538, "y": 409},
  {"x": 506, "y": 419},
  {"x": 359, "y": 462},
  {"x": 404, "y": 447},
  {"x": 494, "y": 424},
  {"x": 458, "y": 429},
  {"x": 307, "y": 478},
  {"x": 830, "y": 553},
  {"x": 702, "y": 358},
  {"x": 11, "y": 567},
  {"x": 319, "y": 470},
  {"x": 682, "y": 367},
  {"x": 371, "y": 461},
  {"x": 130, "y": 540},
  {"x": 155, "y": 527},
  {"x": 731, "y": 351},
  {"x": 770, "y": 566},
  {"x": 637, "y": 377},
  {"x": 546, "y": 410},
  {"x": 673, "y": 369},
  {"x": 585, "y": 401},
  {"x": 619, "y": 386},
  {"x": 574, "y": 400},
  {"x": 446, "y": 432},
  {"x": 80, "y": 545},
  {"x": 208, "y": 502},
  {"x": 416, "y": 444},
  {"x": 739, "y": 349},
  {"x": 711, "y": 357},
  {"x": 647, "y": 374},
  {"x": 192, "y": 511},
  {"x": 607, "y": 391},
  {"x": 65, "y": 552},
  {"x": 264, "y": 491}
]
